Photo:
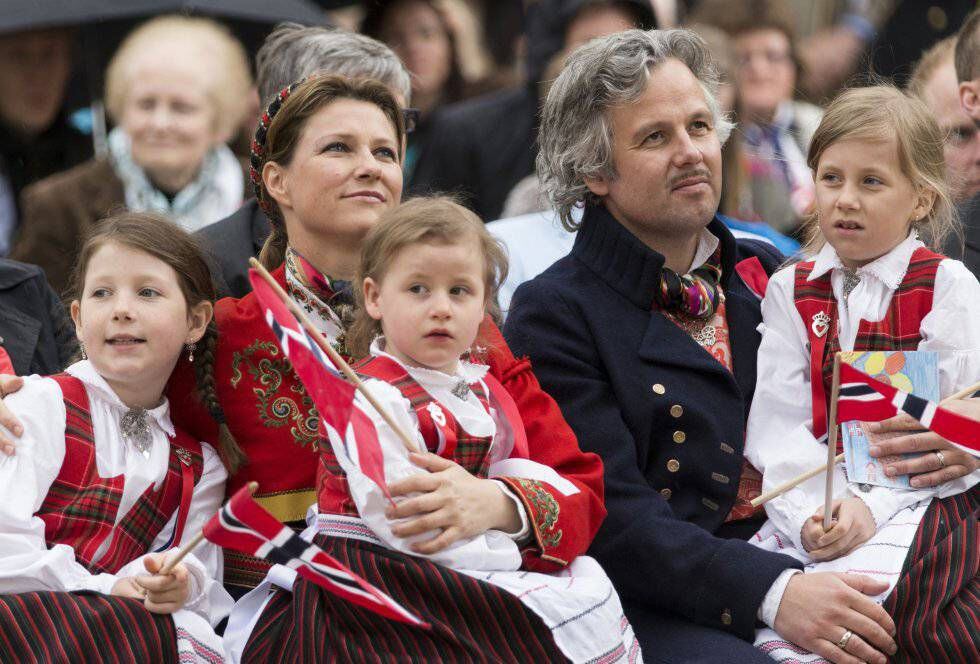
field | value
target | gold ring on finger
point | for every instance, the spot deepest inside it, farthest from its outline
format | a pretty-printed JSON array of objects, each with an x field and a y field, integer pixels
[
  {"x": 842, "y": 644},
  {"x": 942, "y": 459}
]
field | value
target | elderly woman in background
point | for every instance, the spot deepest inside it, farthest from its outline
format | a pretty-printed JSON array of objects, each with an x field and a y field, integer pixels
[
  {"x": 774, "y": 131},
  {"x": 175, "y": 89},
  {"x": 425, "y": 36}
]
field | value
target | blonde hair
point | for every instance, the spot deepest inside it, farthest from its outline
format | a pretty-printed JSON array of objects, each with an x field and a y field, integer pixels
[
  {"x": 433, "y": 220},
  {"x": 217, "y": 52},
  {"x": 877, "y": 113}
]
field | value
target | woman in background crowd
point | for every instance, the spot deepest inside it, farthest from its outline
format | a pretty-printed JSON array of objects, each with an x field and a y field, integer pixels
[
  {"x": 429, "y": 37},
  {"x": 774, "y": 130},
  {"x": 175, "y": 88}
]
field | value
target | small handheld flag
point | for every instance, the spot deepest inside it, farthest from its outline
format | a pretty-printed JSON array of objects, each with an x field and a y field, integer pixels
[
  {"x": 243, "y": 525},
  {"x": 867, "y": 399},
  {"x": 332, "y": 395}
]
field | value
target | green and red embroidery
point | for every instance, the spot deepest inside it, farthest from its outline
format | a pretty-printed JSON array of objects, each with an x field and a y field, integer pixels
[
  {"x": 268, "y": 370},
  {"x": 544, "y": 509}
]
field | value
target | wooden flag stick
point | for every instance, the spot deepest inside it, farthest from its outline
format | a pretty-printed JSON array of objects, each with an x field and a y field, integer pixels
[
  {"x": 775, "y": 492},
  {"x": 828, "y": 504},
  {"x": 335, "y": 357},
  {"x": 192, "y": 544}
]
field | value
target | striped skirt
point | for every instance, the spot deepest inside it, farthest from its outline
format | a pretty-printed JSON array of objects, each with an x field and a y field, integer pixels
[
  {"x": 45, "y": 627},
  {"x": 936, "y": 604},
  {"x": 472, "y": 621}
]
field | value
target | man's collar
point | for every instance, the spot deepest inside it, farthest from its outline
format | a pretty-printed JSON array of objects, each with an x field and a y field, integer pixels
[{"x": 632, "y": 268}]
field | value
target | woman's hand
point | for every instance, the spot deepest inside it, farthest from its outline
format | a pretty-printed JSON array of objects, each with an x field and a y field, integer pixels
[
  {"x": 927, "y": 468},
  {"x": 163, "y": 593},
  {"x": 126, "y": 587},
  {"x": 451, "y": 499},
  {"x": 853, "y": 525},
  {"x": 8, "y": 385}
]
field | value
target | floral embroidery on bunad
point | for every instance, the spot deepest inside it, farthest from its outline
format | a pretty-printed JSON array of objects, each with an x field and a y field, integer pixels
[
  {"x": 712, "y": 335},
  {"x": 327, "y": 303},
  {"x": 544, "y": 510},
  {"x": 267, "y": 369}
]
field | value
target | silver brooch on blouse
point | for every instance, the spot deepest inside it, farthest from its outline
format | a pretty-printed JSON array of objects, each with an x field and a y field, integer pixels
[
  {"x": 136, "y": 428},
  {"x": 461, "y": 389}
]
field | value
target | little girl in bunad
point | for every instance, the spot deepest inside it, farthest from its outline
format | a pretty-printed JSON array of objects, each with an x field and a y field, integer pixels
[
  {"x": 870, "y": 284},
  {"x": 469, "y": 505},
  {"x": 102, "y": 486}
]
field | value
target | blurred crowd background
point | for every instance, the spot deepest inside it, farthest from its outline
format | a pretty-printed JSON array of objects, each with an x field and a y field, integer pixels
[{"x": 152, "y": 106}]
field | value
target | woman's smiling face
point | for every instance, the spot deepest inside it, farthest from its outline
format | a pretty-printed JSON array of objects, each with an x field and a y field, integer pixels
[{"x": 344, "y": 173}]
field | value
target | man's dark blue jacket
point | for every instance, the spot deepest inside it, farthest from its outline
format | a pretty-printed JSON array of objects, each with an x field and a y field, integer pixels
[{"x": 666, "y": 417}]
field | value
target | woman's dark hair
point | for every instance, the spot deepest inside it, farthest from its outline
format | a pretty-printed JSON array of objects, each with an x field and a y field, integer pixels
[
  {"x": 282, "y": 125},
  {"x": 159, "y": 237},
  {"x": 373, "y": 25}
]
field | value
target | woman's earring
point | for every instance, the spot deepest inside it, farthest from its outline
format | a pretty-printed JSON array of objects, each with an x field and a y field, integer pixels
[
  {"x": 191, "y": 347},
  {"x": 81, "y": 347}
]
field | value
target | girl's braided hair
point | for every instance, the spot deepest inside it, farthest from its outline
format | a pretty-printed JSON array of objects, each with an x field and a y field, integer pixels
[{"x": 281, "y": 127}]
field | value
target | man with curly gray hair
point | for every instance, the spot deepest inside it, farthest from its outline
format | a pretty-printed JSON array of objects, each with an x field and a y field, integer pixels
[{"x": 646, "y": 336}]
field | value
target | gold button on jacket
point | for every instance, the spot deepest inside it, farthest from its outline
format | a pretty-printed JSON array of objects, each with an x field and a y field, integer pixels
[
  {"x": 726, "y": 617},
  {"x": 679, "y": 436},
  {"x": 673, "y": 465},
  {"x": 666, "y": 493},
  {"x": 677, "y": 410},
  {"x": 658, "y": 388}
]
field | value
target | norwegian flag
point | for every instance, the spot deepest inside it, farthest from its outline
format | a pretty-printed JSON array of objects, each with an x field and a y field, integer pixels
[
  {"x": 864, "y": 398},
  {"x": 332, "y": 395},
  {"x": 244, "y": 526}
]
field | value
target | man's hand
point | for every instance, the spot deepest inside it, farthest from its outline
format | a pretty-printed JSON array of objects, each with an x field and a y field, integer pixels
[
  {"x": 818, "y": 609},
  {"x": 853, "y": 525},
  {"x": 451, "y": 499},
  {"x": 927, "y": 468},
  {"x": 8, "y": 385}
]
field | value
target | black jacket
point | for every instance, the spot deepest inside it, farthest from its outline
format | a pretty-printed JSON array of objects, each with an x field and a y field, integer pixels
[
  {"x": 666, "y": 417},
  {"x": 231, "y": 242},
  {"x": 34, "y": 327},
  {"x": 481, "y": 148},
  {"x": 967, "y": 247}
]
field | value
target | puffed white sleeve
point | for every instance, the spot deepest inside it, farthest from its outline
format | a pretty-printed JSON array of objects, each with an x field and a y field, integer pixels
[
  {"x": 779, "y": 439},
  {"x": 26, "y": 562},
  {"x": 952, "y": 329},
  {"x": 207, "y": 597}
]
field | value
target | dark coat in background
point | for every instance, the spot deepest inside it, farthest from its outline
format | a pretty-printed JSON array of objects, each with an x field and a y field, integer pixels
[
  {"x": 482, "y": 147},
  {"x": 231, "y": 242},
  {"x": 668, "y": 421},
  {"x": 34, "y": 327},
  {"x": 966, "y": 248},
  {"x": 58, "y": 148}
]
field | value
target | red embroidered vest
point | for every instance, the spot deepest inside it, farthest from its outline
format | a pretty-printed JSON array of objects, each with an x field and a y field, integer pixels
[
  {"x": 80, "y": 507},
  {"x": 442, "y": 433},
  {"x": 898, "y": 330}
]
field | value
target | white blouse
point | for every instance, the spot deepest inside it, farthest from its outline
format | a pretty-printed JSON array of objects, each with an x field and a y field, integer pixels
[
  {"x": 779, "y": 440},
  {"x": 26, "y": 562}
]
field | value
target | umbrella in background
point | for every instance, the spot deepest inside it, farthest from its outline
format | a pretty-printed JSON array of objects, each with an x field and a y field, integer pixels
[{"x": 101, "y": 25}]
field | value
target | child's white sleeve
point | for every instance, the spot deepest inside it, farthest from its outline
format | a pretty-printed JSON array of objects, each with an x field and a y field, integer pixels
[{"x": 26, "y": 562}]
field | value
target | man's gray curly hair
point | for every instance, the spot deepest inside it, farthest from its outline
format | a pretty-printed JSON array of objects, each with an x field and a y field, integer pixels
[{"x": 575, "y": 135}]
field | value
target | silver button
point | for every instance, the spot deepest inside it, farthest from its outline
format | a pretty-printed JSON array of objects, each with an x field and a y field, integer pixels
[
  {"x": 710, "y": 504},
  {"x": 728, "y": 449},
  {"x": 718, "y": 477},
  {"x": 658, "y": 388}
]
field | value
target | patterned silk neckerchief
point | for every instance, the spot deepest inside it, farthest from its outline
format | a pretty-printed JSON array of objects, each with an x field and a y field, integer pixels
[
  {"x": 694, "y": 294},
  {"x": 332, "y": 299}
]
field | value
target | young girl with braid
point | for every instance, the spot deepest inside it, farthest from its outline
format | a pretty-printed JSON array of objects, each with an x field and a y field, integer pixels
[
  {"x": 869, "y": 283},
  {"x": 102, "y": 486}
]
